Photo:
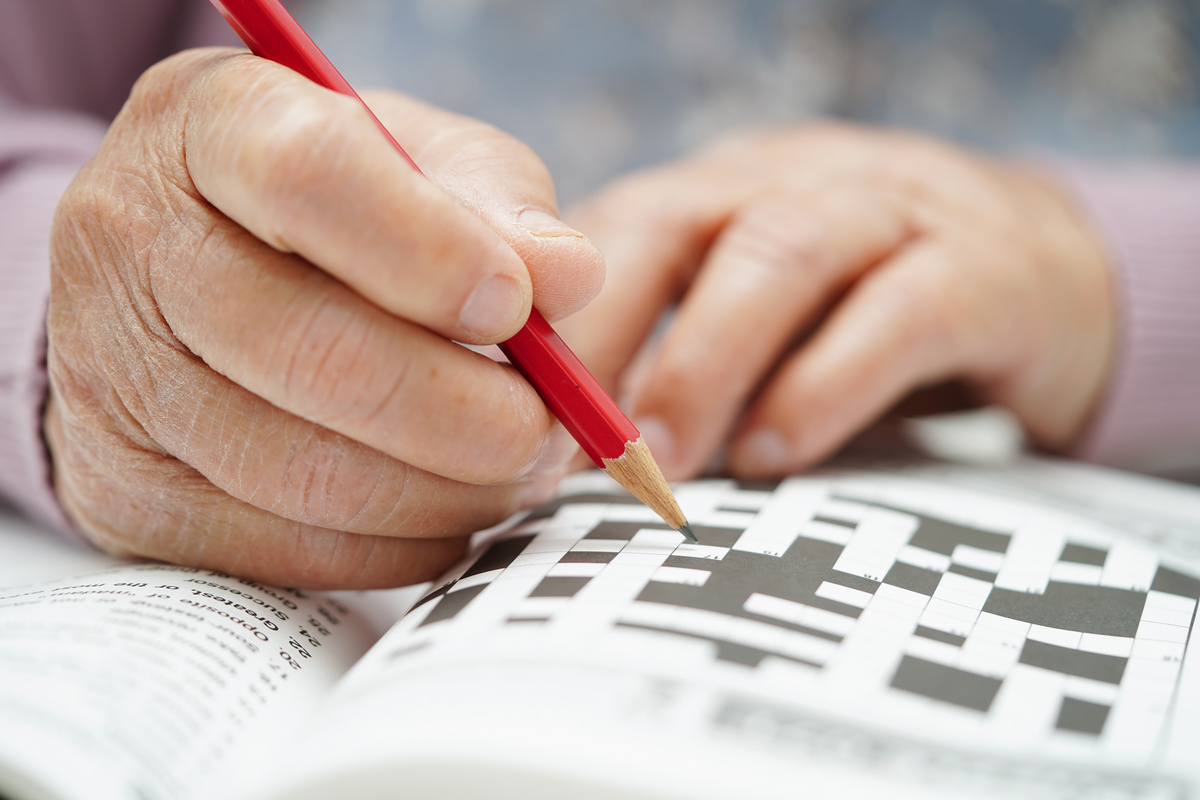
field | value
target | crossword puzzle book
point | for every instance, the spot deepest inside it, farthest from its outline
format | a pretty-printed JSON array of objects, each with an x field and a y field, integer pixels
[{"x": 915, "y": 630}]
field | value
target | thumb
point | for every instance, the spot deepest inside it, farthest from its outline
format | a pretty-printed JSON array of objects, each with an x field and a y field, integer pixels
[{"x": 506, "y": 184}]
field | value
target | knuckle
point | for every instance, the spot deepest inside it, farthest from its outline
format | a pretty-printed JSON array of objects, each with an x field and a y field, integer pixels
[
  {"x": 509, "y": 446},
  {"x": 334, "y": 483},
  {"x": 286, "y": 158},
  {"x": 157, "y": 90},
  {"x": 686, "y": 367},
  {"x": 781, "y": 238},
  {"x": 105, "y": 217},
  {"x": 500, "y": 431},
  {"x": 926, "y": 308},
  {"x": 479, "y": 149},
  {"x": 120, "y": 515},
  {"x": 322, "y": 348},
  {"x": 79, "y": 228}
]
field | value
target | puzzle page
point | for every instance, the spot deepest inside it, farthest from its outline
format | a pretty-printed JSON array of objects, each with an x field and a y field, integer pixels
[{"x": 845, "y": 631}]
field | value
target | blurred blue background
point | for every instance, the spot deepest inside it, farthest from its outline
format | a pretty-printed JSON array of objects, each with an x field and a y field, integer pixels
[{"x": 598, "y": 87}]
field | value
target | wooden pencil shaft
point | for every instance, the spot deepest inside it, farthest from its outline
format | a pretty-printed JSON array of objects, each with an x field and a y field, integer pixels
[
  {"x": 637, "y": 471},
  {"x": 569, "y": 390}
]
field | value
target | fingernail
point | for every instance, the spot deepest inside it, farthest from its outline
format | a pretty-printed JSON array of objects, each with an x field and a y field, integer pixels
[
  {"x": 658, "y": 437},
  {"x": 539, "y": 223},
  {"x": 764, "y": 451},
  {"x": 493, "y": 308}
]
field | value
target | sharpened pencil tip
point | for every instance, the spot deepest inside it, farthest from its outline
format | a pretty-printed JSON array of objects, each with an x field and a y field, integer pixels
[{"x": 686, "y": 530}]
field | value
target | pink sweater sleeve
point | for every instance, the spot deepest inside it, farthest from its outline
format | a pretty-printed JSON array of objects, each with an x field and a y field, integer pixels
[
  {"x": 1149, "y": 216},
  {"x": 65, "y": 67}
]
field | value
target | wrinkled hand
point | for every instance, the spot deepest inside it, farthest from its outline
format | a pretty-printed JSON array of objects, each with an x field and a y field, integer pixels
[
  {"x": 824, "y": 273},
  {"x": 250, "y": 329}
]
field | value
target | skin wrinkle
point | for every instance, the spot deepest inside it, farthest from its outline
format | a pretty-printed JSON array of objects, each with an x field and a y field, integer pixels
[
  {"x": 310, "y": 476},
  {"x": 102, "y": 416},
  {"x": 414, "y": 516},
  {"x": 353, "y": 412},
  {"x": 290, "y": 394},
  {"x": 318, "y": 554},
  {"x": 207, "y": 238},
  {"x": 461, "y": 142},
  {"x": 118, "y": 288},
  {"x": 298, "y": 505},
  {"x": 68, "y": 485},
  {"x": 400, "y": 511},
  {"x": 368, "y": 502},
  {"x": 143, "y": 394},
  {"x": 199, "y": 547},
  {"x": 227, "y": 453},
  {"x": 319, "y": 375},
  {"x": 280, "y": 341},
  {"x": 251, "y": 491},
  {"x": 397, "y": 384},
  {"x": 473, "y": 160},
  {"x": 121, "y": 394},
  {"x": 371, "y": 544},
  {"x": 323, "y": 473},
  {"x": 113, "y": 527},
  {"x": 331, "y": 467},
  {"x": 209, "y": 81},
  {"x": 190, "y": 428}
]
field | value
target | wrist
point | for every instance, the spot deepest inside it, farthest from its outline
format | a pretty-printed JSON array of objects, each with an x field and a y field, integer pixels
[{"x": 1074, "y": 363}]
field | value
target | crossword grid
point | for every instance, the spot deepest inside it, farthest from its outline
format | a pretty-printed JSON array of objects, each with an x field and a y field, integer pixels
[{"x": 1028, "y": 626}]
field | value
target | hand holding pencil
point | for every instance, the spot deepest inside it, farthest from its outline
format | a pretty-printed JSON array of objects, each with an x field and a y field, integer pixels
[
  {"x": 577, "y": 400},
  {"x": 251, "y": 329}
]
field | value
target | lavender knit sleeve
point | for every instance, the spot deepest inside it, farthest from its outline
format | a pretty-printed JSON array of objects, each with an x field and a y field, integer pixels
[
  {"x": 39, "y": 154},
  {"x": 1149, "y": 418},
  {"x": 65, "y": 67}
]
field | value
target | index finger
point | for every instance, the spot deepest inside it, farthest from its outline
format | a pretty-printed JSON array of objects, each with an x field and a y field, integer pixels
[
  {"x": 306, "y": 170},
  {"x": 776, "y": 266},
  {"x": 653, "y": 230}
]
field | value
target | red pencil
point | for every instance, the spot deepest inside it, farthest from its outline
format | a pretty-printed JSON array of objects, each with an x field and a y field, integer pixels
[{"x": 583, "y": 407}]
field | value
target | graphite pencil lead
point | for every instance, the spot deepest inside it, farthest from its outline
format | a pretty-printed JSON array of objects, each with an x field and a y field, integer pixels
[{"x": 686, "y": 530}]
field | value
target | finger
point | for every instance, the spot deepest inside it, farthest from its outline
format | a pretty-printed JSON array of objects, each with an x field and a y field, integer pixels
[
  {"x": 656, "y": 227},
  {"x": 653, "y": 230},
  {"x": 306, "y": 344},
  {"x": 906, "y": 325},
  {"x": 182, "y": 518},
  {"x": 777, "y": 264},
  {"x": 166, "y": 401},
  {"x": 307, "y": 171},
  {"x": 502, "y": 181}
]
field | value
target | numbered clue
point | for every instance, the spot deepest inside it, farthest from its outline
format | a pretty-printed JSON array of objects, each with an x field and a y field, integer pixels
[{"x": 165, "y": 675}]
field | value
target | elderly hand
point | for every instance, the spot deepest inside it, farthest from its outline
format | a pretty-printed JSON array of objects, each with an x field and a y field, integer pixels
[
  {"x": 253, "y": 320},
  {"x": 824, "y": 273}
]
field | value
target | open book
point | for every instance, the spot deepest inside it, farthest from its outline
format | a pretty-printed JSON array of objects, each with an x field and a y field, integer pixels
[{"x": 912, "y": 630}]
